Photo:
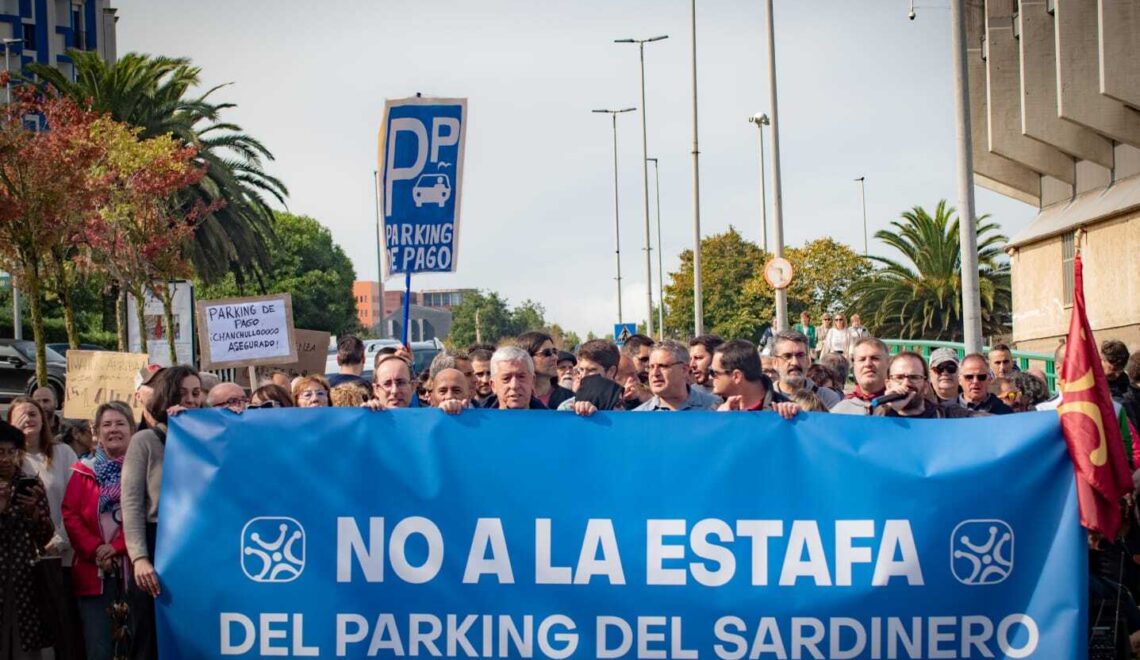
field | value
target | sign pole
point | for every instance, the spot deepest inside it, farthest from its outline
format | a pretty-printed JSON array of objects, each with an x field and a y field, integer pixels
[
  {"x": 383, "y": 331},
  {"x": 252, "y": 378},
  {"x": 407, "y": 304}
]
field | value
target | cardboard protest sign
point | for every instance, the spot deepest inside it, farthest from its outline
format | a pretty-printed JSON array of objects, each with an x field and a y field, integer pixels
[
  {"x": 312, "y": 353},
  {"x": 243, "y": 332},
  {"x": 96, "y": 377}
]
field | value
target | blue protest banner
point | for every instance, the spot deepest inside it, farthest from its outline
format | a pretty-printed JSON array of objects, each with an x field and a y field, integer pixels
[
  {"x": 421, "y": 174},
  {"x": 349, "y": 533}
]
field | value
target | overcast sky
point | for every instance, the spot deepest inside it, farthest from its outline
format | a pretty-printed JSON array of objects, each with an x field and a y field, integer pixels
[{"x": 863, "y": 92}]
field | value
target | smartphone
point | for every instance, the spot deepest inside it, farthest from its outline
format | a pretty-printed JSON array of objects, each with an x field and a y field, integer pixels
[{"x": 24, "y": 485}]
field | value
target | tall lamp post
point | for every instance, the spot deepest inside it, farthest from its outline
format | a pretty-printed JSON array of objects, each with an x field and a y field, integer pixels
[
  {"x": 17, "y": 316},
  {"x": 863, "y": 198},
  {"x": 698, "y": 304},
  {"x": 617, "y": 221},
  {"x": 660, "y": 267},
  {"x": 967, "y": 228},
  {"x": 777, "y": 196},
  {"x": 761, "y": 120},
  {"x": 645, "y": 179}
]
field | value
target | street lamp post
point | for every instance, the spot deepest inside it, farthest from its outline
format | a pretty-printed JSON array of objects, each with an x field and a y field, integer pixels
[
  {"x": 777, "y": 196},
  {"x": 761, "y": 120},
  {"x": 17, "y": 316},
  {"x": 863, "y": 198},
  {"x": 617, "y": 222},
  {"x": 967, "y": 229},
  {"x": 698, "y": 305},
  {"x": 645, "y": 179},
  {"x": 660, "y": 262}
]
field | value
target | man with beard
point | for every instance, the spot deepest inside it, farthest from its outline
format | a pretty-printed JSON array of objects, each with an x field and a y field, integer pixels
[
  {"x": 944, "y": 374},
  {"x": 700, "y": 359},
  {"x": 869, "y": 357},
  {"x": 907, "y": 376},
  {"x": 669, "y": 381},
  {"x": 634, "y": 392},
  {"x": 792, "y": 360}
]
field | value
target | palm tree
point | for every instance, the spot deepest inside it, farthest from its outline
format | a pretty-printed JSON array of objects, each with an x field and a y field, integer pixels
[
  {"x": 922, "y": 299},
  {"x": 153, "y": 94}
]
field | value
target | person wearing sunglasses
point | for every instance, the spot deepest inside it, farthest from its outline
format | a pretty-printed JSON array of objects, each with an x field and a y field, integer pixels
[
  {"x": 944, "y": 374},
  {"x": 545, "y": 356},
  {"x": 974, "y": 378},
  {"x": 906, "y": 376}
]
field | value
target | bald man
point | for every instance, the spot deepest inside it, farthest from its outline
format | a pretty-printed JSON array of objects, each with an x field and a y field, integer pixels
[
  {"x": 449, "y": 391},
  {"x": 228, "y": 395}
]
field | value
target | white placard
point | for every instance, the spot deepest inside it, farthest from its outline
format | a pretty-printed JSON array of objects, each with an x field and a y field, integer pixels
[{"x": 246, "y": 331}]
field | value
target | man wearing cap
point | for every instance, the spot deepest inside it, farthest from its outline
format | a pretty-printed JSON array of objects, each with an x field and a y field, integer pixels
[
  {"x": 566, "y": 364},
  {"x": 944, "y": 374},
  {"x": 974, "y": 376},
  {"x": 869, "y": 360}
]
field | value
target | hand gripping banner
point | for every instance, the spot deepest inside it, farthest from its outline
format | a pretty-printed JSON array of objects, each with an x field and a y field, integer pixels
[{"x": 347, "y": 533}]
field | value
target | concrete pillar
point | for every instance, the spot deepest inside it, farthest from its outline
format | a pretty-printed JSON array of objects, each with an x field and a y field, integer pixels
[
  {"x": 1078, "y": 75},
  {"x": 991, "y": 171},
  {"x": 1003, "y": 88},
  {"x": 1038, "y": 63},
  {"x": 1119, "y": 59}
]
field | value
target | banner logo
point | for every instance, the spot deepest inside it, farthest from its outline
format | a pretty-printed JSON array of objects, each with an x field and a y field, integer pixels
[
  {"x": 981, "y": 552},
  {"x": 272, "y": 549}
]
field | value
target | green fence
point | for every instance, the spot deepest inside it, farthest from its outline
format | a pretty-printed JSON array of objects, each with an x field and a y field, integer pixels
[{"x": 1023, "y": 359}]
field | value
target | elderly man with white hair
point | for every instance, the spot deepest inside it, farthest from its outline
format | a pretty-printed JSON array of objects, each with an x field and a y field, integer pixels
[{"x": 512, "y": 381}]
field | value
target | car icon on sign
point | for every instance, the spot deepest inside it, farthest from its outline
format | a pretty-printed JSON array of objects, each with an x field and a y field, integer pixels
[{"x": 431, "y": 188}]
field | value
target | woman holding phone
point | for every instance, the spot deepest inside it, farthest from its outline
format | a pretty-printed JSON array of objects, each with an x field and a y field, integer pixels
[{"x": 25, "y": 528}]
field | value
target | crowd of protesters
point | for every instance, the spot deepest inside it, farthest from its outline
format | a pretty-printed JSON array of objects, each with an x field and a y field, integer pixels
[{"x": 79, "y": 502}]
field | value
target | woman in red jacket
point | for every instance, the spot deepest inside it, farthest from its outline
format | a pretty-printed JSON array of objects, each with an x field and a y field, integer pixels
[{"x": 93, "y": 519}]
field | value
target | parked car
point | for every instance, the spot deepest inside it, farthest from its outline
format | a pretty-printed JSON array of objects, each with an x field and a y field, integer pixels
[
  {"x": 62, "y": 348},
  {"x": 18, "y": 369}
]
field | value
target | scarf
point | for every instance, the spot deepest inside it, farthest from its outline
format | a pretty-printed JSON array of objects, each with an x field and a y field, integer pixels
[
  {"x": 107, "y": 471},
  {"x": 860, "y": 394}
]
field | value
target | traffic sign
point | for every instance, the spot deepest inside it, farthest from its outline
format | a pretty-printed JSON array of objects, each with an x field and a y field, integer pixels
[
  {"x": 778, "y": 272},
  {"x": 421, "y": 172},
  {"x": 623, "y": 331}
]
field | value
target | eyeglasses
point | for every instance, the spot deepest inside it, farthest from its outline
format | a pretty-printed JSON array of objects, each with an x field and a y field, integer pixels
[
  {"x": 314, "y": 394},
  {"x": 236, "y": 401},
  {"x": 948, "y": 368},
  {"x": 981, "y": 378},
  {"x": 827, "y": 318},
  {"x": 546, "y": 352},
  {"x": 268, "y": 403},
  {"x": 663, "y": 367},
  {"x": 713, "y": 373},
  {"x": 840, "y": 318},
  {"x": 1010, "y": 396},
  {"x": 907, "y": 378},
  {"x": 787, "y": 357}
]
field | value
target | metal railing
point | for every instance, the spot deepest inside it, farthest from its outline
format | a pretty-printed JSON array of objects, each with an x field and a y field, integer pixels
[{"x": 1024, "y": 359}]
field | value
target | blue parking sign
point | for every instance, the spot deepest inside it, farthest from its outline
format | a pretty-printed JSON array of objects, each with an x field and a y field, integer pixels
[{"x": 421, "y": 170}]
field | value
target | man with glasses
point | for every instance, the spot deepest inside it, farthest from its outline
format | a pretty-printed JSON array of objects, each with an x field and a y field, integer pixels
[
  {"x": 974, "y": 378},
  {"x": 544, "y": 355},
  {"x": 907, "y": 376},
  {"x": 944, "y": 374},
  {"x": 792, "y": 360},
  {"x": 228, "y": 395},
  {"x": 392, "y": 385},
  {"x": 736, "y": 377},
  {"x": 669, "y": 381},
  {"x": 595, "y": 378}
]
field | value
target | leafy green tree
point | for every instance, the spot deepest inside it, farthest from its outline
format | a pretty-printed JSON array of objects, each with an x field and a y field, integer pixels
[
  {"x": 732, "y": 307},
  {"x": 824, "y": 272},
  {"x": 528, "y": 315},
  {"x": 481, "y": 316},
  {"x": 920, "y": 295},
  {"x": 309, "y": 266},
  {"x": 154, "y": 94}
]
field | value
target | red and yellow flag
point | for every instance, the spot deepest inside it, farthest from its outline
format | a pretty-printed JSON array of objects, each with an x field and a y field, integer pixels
[{"x": 1089, "y": 424}]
